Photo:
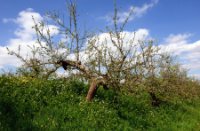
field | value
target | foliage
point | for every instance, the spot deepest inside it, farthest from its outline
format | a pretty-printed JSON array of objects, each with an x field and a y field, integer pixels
[{"x": 37, "y": 104}]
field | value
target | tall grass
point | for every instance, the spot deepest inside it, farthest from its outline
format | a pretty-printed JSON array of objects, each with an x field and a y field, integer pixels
[{"x": 33, "y": 104}]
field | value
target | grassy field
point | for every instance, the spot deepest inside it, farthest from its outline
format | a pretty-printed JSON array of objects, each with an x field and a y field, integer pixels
[{"x": 30, "y": 104}]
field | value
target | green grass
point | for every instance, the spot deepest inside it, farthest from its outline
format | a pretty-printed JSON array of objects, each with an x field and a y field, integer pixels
[{"x": 60, "y": 105}]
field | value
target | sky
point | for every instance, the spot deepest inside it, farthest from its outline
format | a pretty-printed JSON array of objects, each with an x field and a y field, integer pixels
[{"x": 173, "y": 23}]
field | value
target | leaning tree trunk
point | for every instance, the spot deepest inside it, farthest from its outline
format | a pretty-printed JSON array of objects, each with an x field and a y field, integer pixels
[
  {"x": 92, "y": 90},
  {"x": 94, "y": 83}
]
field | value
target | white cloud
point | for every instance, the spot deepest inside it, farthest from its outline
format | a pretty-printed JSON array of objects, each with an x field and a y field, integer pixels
[
  {"x": 187, "y": 52},
  {"x": 54, "y": 30},
  {"x": 179, "y": 45},
  {"x": 137, "y": 12},
  {"x": 13, "y": 45},
  {"x": 25, "y": 36},
  {"x": 26, "y": 20},
  {"x": 140, "y": 34},
  {"x": 104, "y": 42},
  {"x": 25, "y": 23}
]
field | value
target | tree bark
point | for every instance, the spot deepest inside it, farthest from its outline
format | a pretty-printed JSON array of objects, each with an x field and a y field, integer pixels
[{"x": 92, "y": 90}]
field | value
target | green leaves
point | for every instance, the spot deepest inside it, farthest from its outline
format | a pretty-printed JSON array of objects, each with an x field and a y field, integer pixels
[{"x": 37, "y": 104}]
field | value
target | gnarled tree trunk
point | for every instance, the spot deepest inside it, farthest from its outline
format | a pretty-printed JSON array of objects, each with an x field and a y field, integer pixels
[
  {"x": 95, "y": 83},
  {"x": 92, "y": 90}
]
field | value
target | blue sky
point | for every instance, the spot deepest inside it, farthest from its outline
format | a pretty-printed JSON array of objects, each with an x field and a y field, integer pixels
[{"x": 173, "y": 23}]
